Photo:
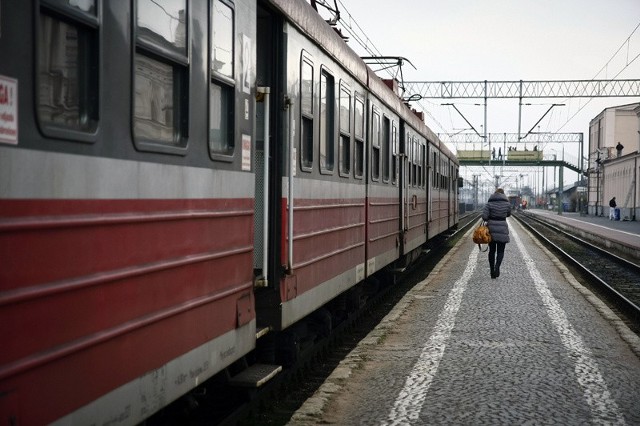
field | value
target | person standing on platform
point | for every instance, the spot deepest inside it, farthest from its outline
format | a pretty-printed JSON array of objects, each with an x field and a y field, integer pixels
[
  {"x": 612, "y": 208},
  {"x": 495, "y": 213}
]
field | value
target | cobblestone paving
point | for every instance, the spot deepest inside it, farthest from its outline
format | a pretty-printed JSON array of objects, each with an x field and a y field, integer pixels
[{"x": 510, "y": 356}]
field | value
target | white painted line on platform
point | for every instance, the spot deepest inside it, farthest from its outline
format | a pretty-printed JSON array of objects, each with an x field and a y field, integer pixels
[
  {"x": 603, "y": 407},
  {"x": 408, "y": 404}
]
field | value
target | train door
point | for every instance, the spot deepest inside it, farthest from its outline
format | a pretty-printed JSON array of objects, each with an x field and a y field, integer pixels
[
  {"x": 401, "y": 183},
  {"x": 454, "y": 193},
  {"x": 270, "y": 149},
  {"x": 449, "y": 184},
  {"x": 431, "y": 184},
  {"x": 404, "y": 185}
]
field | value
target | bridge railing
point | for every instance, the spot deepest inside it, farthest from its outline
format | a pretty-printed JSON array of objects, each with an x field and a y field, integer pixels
[
  {"x": 470, "y": 154},
  {"x": 564, "y": 157}
]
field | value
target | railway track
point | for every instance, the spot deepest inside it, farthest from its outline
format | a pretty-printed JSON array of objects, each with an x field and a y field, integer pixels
[{"x": 613, "y": 278}]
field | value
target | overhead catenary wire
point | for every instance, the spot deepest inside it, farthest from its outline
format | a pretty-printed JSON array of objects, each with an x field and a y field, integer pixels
[
  {"x": 350, "y": 26},
  {"x": 605, "y": 67},
  {"x": 560, "y": 118}
]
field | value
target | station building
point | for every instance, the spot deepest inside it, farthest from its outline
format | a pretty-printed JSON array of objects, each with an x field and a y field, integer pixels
[{"x": 613, "y": 170}]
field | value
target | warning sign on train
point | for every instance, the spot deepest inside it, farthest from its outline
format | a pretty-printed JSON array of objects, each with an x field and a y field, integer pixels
[{"x": 8, "y": 110}]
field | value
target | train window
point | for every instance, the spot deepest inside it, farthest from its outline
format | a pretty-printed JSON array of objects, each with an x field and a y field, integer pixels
[
  {"x": 423, "y": 153},
  {"x": 394, "y": 152},
  {"x": 375, "y": 146},
  {"x": 221, "y": 88},
  {"x": 411, "y": 159},
  {"x": 220, "y": 119},
  {"x": 445, "y": 169},
  {"x": 162, "y": 23},
  {"x": 67, "y": 70},
  {"x": 222, "y": 39},
  {"x": 84, "y": 6},
  {"x": 345, "y": 130},
  {"x": 445, "y": 174},
  {"x": 358, "y": 154},
  {"x": 306, "y": 109},
  {"x": 416, "y": 159},
  {"x": 409, "y": 149},
  {"x": 407, "y": 161},
  {"x": 418, "y": 163},
  {"x": 434, "y": 167},
  {"x": 452, "y": 174},
  {"x": 327, "y": 121},
  {"x": 386, "y": 147},
  {"x": 160, "y": 76}
]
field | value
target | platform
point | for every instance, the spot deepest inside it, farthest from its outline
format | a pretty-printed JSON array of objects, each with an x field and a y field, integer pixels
[
  {"x": 530, "y": 347},
  {"x": 621, "y": 235}
]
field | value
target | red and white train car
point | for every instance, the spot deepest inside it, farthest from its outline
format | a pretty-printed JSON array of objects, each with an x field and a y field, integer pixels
[
  {"x": 126, "y": 204},
  {"x": 156, "y": 220},
  {"x": 363, "y": 183}
]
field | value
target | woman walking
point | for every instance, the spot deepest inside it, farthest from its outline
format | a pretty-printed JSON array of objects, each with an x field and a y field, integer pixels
[{"x": 495, "y": 213}]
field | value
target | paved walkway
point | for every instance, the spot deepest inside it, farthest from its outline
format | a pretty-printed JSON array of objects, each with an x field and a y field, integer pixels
[{"x": 531, "y": 347}]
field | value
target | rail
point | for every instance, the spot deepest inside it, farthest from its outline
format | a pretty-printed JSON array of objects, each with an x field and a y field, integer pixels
[{"x": 619, "y": 285}]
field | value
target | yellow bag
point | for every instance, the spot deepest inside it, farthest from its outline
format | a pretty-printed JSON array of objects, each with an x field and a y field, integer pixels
[{"x": 482, "y": 236}]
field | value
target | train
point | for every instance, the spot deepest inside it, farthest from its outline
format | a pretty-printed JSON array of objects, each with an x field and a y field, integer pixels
[{"x": 183, "y": 184}]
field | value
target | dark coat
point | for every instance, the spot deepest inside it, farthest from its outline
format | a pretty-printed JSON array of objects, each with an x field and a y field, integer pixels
[{"x": 495, "y": 213}]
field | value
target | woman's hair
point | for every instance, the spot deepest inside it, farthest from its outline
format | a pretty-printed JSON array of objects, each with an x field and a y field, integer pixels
[{"x": 500, "y": 190}]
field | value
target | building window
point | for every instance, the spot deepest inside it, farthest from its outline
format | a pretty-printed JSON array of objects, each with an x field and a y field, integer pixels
[
  {"x": 222, "y": 84},
  {"x": 160, "y": 74},
  {"x": 306, "y": 110},
  {"x": 345, "y": 130},
  {"x": 358, "y": 154},
  {"x": 327, "y": 121},
  {"x": 67, "y": 70}
]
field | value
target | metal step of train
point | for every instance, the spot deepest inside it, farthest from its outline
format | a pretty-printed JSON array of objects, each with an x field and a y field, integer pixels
[
  {"x": 255, "y": 376},
  {"x": 258, "y": 374}
]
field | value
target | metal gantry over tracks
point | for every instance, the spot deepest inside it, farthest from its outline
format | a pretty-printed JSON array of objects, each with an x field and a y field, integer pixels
[
  {"x": 520, "y": 89},
  {"x": 523, "y": 89}
]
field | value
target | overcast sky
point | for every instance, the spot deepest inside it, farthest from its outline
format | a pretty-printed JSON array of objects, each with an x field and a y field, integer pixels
[{"x": 497, "y": 40}]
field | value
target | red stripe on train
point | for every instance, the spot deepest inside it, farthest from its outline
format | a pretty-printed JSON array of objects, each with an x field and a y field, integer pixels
[{"x": 94, "y": 293}]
